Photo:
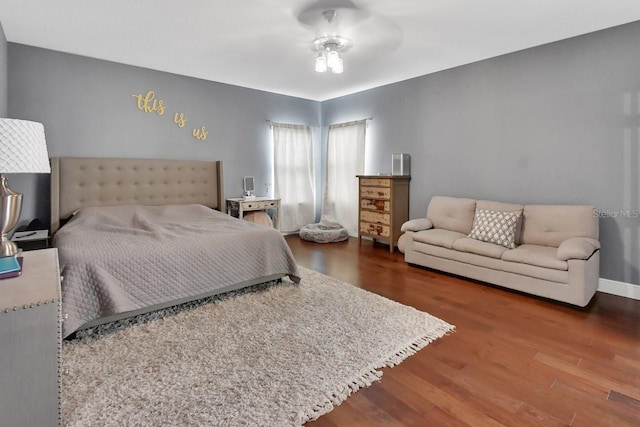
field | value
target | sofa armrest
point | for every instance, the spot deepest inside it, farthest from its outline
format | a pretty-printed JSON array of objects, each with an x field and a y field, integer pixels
[
  {"x": 577, "y": 248},
  {"x": 417, "y": 224}
]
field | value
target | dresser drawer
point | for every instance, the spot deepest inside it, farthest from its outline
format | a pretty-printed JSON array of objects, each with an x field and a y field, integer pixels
[
  {"x": 259, "y": 205},
  {"x": 377, "y": 217},
  {"x": 375, "y": 182},
  {"x": 375, "y": 192},
  {"x": 376, "y": 205},
  {"x": 375, "y": 229}
]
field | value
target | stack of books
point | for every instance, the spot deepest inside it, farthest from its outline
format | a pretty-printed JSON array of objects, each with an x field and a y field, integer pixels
[{"x": 10, "y": 266}]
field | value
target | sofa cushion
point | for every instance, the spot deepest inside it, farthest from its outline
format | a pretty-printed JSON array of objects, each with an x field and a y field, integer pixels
[
  {"x": 495, "y": 227},
  {"x": 499, "y": 206},
  {"x": 557, "y": 276},
  {"x": 452, "y": 213},
  {"x": 504, "y": 207},
  {"x": 550, "y": 225},
  {"x": 541, "y": 256},
  {"x": 438, "y": 237},
  {"x": 477, "y": 247}
]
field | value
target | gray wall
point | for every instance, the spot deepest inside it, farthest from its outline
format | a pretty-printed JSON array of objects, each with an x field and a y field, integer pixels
[
  {"x": 3, "y": 73},
  {"x": 558, "y": 123},
  {"x": 87, "y": 108}
]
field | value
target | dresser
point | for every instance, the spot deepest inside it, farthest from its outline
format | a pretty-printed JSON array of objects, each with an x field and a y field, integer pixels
[
  {"x": 383, "y": 207},
  {"x": 30, "y": 337}
]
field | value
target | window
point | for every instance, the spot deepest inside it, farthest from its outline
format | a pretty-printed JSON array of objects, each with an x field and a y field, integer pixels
[
  {"x": 294, "y": 181},
  {"x": 345, "y": 160}
]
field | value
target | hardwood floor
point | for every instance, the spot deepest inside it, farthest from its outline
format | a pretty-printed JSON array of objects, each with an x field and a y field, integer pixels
[{"x": 514, "y": 359}]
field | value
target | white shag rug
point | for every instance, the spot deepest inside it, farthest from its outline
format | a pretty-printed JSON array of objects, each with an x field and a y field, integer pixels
[{"x": 274, "y": 355}]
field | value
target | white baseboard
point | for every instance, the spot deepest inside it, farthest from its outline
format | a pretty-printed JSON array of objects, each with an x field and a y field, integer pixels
[{"x": 622, "y": 289}]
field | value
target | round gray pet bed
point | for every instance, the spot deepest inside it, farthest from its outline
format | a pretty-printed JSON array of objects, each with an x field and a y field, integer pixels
[{"x": 322, "y": 233}]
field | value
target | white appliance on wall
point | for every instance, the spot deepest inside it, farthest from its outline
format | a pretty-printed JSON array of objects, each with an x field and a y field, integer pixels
[{"x": 400, "y": 164}]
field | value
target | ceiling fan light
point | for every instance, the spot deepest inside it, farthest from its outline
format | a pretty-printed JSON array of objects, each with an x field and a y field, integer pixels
[
  {"x": 321, "y": 63},
  {"x": 332, "y": 59},
  {"x": 338, "y": 68}
]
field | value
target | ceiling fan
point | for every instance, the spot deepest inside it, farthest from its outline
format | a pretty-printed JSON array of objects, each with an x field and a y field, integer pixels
[{"x": 339, "y": 26}]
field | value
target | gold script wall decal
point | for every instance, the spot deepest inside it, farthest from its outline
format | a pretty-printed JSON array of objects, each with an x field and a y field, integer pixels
[
  {"x": 149, "y": 104},
  {"x": 179, "y": 119},
  {"x": 200, "y": 134}
]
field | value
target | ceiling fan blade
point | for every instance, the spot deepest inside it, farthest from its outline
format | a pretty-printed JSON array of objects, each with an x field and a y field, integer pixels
[
  {"x": 317, "y": 19},
  {"x": 379, "y": 29}
]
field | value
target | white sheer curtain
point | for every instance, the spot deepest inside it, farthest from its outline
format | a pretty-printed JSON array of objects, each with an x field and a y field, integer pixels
[
  {"x": 294, "y": 175},
  {"x": 345, "y": 160}
]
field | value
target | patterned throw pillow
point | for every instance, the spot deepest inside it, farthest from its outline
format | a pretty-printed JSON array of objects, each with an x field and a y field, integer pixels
[{"x": 495, "y": 227}]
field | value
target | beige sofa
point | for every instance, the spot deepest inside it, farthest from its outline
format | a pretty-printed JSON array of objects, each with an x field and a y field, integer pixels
[{"x": 555, "y": 247}]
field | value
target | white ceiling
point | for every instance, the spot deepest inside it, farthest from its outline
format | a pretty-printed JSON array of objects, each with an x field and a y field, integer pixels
[{"x": 262, "y": 44}]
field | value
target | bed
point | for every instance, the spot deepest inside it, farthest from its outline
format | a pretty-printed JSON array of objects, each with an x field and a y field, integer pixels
[{"x": 136, "y": 235}]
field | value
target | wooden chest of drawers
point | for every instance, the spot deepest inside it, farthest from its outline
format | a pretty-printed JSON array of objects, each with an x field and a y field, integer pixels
[{"x": 383, "y": 207}]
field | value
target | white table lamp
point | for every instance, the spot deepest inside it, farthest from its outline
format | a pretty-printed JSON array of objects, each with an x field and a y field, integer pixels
[{"x": 23, "y": 149}]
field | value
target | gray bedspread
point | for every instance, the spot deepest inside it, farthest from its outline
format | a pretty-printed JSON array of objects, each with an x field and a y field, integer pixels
[{"x": 125, "y": 258}]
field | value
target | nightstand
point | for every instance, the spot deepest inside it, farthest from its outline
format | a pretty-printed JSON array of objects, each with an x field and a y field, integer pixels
[
  {"x": 241, "y": 205},
  {"x": 31, "y": 240},
  {"x": 30, "y": 342}
]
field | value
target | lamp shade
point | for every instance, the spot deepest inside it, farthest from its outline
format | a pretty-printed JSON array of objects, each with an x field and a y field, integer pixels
[
  {"x": 338, "y": 67},
  {"x": 321, "y": 63},
  {"x": 332, "y": 58},
  {"x": 23, "y": 148}
]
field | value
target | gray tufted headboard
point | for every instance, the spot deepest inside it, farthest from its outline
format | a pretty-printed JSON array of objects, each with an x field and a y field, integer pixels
[{"x": 78, "y": 182}]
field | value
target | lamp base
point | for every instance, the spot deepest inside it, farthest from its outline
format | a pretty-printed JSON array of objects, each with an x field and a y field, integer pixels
[
  {"x": 7, "y": 247},
  {"x": 10, "y": 207}
]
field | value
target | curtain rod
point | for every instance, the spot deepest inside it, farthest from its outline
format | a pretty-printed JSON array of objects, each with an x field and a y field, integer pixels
[
  {"x": 353, "y": 122},
  {"x": 271, "y": 123}
]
